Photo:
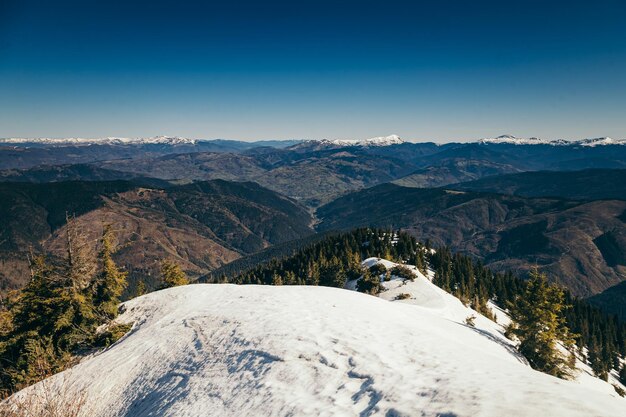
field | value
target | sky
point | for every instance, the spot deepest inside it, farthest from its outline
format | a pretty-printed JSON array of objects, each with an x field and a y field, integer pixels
[{"x": 439, "y": 70}]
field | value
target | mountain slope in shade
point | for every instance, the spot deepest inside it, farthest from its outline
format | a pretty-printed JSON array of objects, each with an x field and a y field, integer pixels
[
  {"x": 201, "y": 226},
  {"x": 259, "y": 350},
  {"x": 589, "y": 184},
  {"x": 612, "y": 300},
  {"x": 506, "y": 232}
]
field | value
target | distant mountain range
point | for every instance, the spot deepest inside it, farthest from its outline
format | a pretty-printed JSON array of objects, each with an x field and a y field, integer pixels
[
  {"x": 375, "y": 141},
  {"x": 514, "y": 203}
]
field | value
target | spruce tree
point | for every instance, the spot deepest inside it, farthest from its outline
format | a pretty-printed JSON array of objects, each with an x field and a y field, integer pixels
[
  {"x": 172, "y": 275},
  {"x": 110, "y": 282},
  {"x": 277, "y": 280},
  {"x": 539, "y": 324},
  {"x": 622, "y": 374},
  {"x": 141, "y": 289}
]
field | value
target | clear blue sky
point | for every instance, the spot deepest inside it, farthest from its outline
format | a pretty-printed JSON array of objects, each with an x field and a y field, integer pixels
[{"x": 438, "y": 70}]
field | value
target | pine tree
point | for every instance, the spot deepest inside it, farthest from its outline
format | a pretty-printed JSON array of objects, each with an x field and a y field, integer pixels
[
  {"x": 172, "y": 275},
  {"x": 276, "y": 279},
  {"x": 333, "y": 274},
  {"x": 369, "y": 283},
  {"x": 110, "y": 282},
  {"x": 44, "y": 315},
  {"x": 622, "y": 374},
  {"x": 141, "y": 289},
  {"x": 539, "y": 324}
]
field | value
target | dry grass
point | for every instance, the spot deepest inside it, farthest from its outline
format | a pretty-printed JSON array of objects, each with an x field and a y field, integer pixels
[{"x": 51, "y": 397}]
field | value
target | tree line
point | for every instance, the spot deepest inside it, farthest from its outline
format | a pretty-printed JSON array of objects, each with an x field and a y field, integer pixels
[
  {"x": 599, "y": 337},
  {"x": 533, "y": 303},
  {"x": 67, "y": 309}
]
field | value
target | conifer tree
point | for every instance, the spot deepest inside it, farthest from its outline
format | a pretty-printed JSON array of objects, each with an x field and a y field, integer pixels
[
  {"x": 42, "y": 316},
  {"x": 172, "y": 275},
  {"x": 369, "y": 283},
  {"x": 141, "y": 289},
  {"x": 333, "y": 274},
  {"x": 277, "y": 280},
  {"x": 539, "y": 324},
  {"x": 110, "y": 282},
  {"x": 622, "y": 374}
]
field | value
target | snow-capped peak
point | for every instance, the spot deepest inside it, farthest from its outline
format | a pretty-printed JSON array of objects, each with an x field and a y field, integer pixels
[
  {"x": 167, "y": 140},
  {"x": 601, "y": 142},
  {"x": 514, "y": 140},
  {"x": 377, "y": 141}
]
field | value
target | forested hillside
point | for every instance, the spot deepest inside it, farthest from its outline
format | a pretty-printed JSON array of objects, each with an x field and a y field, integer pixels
[
  {"x": 574, "y": 242},
  {"x": 600, "y": 337},
  {"x": 589, "y": 184}
]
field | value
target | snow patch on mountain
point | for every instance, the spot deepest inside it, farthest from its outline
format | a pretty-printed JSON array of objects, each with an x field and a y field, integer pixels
[
  {"x": 601, "y": 142},
  {"x": 377, "y": 141},
  {"x": 513, "y": 140},
  {"x": 227, "y": 350},
  {"x": 160, "y": 140}
]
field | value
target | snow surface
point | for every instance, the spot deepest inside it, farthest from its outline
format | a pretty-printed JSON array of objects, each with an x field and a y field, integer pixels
[
  {"x": 377, "y": 141},
  {"x": 510, "y": 139},
  {"x": 227, "y": 350},
  {"x": 175, "y": 140}
]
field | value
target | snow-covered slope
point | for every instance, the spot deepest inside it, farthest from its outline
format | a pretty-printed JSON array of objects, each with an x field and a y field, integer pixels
[
  {"x": 377, "y": 141},
  {"x": 512, "y": 140},
  {"x": 422, "y": 292},
  {"x": 162, "y": 140},
  {"x": 601, "y": 142},
  {"x": 226, "y": 350}
]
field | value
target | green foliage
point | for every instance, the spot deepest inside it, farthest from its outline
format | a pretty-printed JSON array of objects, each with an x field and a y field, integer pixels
[
  {"x": 110, "y": 282},
  {"x": 141, "y": 289},
  {"x": 333, "y": 274},
  {"x": 475, "y": 285},
  {"x": 112, "y": 334},
  {"x": 56, "y": 315},
  {"x": 402, "y": 296},
  {"x": 539, "y": 324},
  {"x": 622, "y": 374},
  {"x": 335, "y": 259},
  {"x": 378, "y": 269},
  {"x": 172, "y": 275},
  {"x": 277, "y": 280},
  {"x": 369, "y": 283},
  {"x": 401, "y": 271}
]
